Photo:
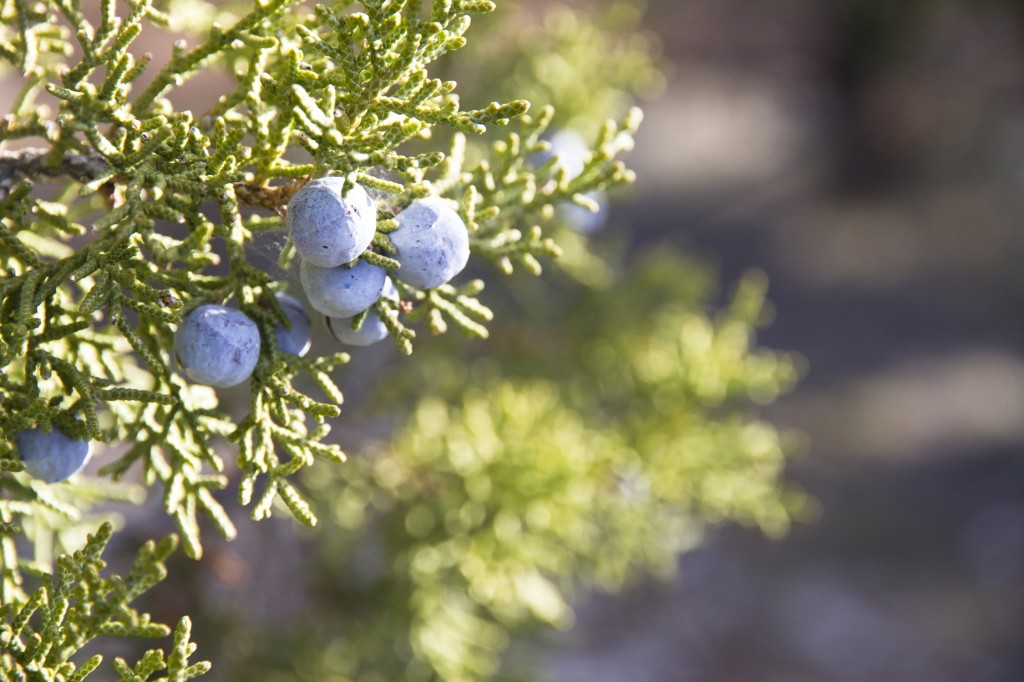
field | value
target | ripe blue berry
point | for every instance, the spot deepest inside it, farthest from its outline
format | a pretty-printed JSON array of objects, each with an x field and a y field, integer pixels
[
  {"x": 371, "y": 331},
  {"x": 217, "y": 346},
  {"x": 581, "y": 219},
  {"x": 432, "y": 243},
  {"x": 327, "y": 228},
  {"x": 571, "y": 150},
  {"x": 342, "y": 291},
  {"x": 296, "y": 339},
  {"x": 51, "y": 457}
]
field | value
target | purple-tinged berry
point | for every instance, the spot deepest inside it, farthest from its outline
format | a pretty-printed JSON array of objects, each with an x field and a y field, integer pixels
[
  {"x": 370, "y": 331},
  {"x": 432, "y": 243},
  {"x": 329, "y": 229},
  {"x": 342, "y": 291},
  {"x": 51, "y": 456},
  {"x": 294, "y": 340},
  {"x": 217, "y": 346}
]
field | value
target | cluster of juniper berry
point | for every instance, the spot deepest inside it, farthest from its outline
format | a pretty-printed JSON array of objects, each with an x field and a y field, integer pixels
[{"x": 330, "y": 228}]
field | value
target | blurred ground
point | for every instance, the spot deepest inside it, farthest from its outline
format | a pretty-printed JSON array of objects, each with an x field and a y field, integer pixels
[{"x": 868, "y": 157}]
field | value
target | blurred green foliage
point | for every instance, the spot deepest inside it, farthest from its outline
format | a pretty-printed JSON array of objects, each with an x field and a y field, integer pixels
[
  {"x": 589, "y": 61},
  {"x": 623, "y": 432}
]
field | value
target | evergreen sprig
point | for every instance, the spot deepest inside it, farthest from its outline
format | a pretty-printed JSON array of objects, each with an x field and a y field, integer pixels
[{"x": 77, "y": 604}]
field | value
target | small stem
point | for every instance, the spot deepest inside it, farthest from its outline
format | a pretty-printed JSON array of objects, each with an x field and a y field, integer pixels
[{"x": 31, "y": 162}]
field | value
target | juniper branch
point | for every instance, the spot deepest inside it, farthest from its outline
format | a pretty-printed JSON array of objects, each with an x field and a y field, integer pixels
[{"x": 34, "y": 162}]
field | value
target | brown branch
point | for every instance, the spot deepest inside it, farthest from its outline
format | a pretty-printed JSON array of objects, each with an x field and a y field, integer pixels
[
  {"x": 273, "y": 199},
  {"x": 31, "y": 163}
]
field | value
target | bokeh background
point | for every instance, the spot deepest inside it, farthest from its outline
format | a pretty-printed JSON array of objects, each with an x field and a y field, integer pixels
[{"x": 867, "y": 156}]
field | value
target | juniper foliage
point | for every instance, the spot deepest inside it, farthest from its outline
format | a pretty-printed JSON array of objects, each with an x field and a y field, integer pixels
[
  {"x": 347, "y": 88},
  {"x": 40, "y": 634}
]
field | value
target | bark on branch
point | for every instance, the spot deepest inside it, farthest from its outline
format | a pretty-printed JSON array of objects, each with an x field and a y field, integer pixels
[{"x": 31, "y": 163}]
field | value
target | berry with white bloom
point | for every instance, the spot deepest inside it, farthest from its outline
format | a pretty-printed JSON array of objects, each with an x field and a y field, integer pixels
[
  {"x": 582, "y": 219},
  {"x": 51, "y": 457},
  {"x": 432, "y": 243},
  {"x": 329, "y": 229},
  {"x": 217, "y": 346},
  {"x": 370, "y": 331},
  {"x": 294, "y": 340},
  {"x": 342, "y": 291},
  {"x": 570, "y": 149}
]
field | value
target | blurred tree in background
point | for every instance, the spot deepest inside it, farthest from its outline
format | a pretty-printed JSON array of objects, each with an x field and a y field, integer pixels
[{"x": 609, "y": 414}]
